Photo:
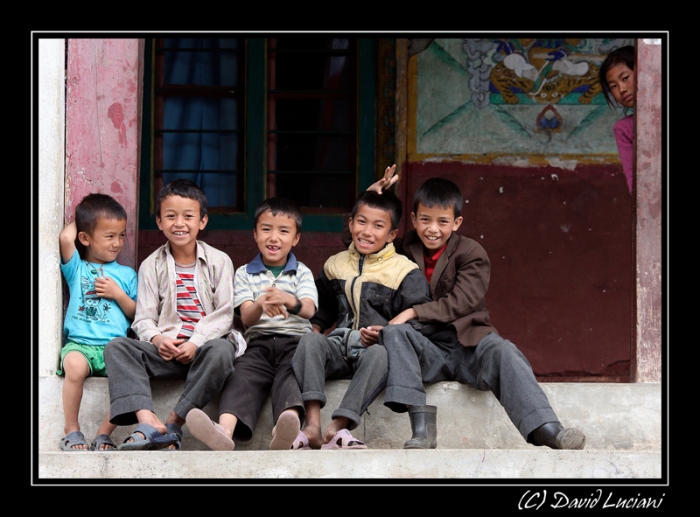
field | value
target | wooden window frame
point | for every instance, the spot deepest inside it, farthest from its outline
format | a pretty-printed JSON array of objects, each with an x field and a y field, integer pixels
[{"x": 255, "y": 140}]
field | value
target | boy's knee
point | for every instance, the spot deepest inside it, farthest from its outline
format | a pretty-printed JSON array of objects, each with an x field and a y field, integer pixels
[
  {"x": 498, "y": 349},
  {"x": 311, "y": 342},
  {"x": 394, "y": 332},
  {"x": 75, "y": 366},
  {"x": 218, "y": 350},
  {"x": 377, "y": 355}
]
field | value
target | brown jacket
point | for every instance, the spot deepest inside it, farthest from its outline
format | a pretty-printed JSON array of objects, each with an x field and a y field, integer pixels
[{"x": 458, "y": 286}]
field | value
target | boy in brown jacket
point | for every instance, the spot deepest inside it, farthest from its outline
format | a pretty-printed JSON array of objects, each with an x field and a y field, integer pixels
[{"x": 465, "y": 347}]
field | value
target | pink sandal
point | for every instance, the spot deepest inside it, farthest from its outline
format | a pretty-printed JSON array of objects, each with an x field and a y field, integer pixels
[
  {"x": 209, "y": 433},
  {"x": 301, "y": 443},
  {"x": 285, "y": 432},
  {"x": 343, "y": 440}
]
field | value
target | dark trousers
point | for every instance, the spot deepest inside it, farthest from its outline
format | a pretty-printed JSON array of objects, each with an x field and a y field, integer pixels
[
  {"x": 319, "y": 357},
  {"x": 132, "y": 363},
  {"x": 265, "y": 368},
  {"x": 495, "y": 365}
]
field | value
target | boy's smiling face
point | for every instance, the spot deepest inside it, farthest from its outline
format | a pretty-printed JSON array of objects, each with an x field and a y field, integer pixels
[
  {"x": 275, "y": 236},
  {"x": 180, "y": 220},
  {"x": 435, "y": 225},
  {"x": 106, "y": 241},
  {"x": 371, "y": 229}
]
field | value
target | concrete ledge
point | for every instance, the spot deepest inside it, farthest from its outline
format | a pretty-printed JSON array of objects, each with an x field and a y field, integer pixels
[
  {"x": 352, "y": 465},
  {"x": 622, "y": 417}
]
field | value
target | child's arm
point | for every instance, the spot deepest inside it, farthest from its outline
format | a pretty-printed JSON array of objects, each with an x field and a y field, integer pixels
[
  {"x": 414, "y": 289},
  {"x": 404, "y": 316},
  {"x": 471, "y": 281},
  {"x": 66, "y": 241},
  {"x": 106, "y": 287}
]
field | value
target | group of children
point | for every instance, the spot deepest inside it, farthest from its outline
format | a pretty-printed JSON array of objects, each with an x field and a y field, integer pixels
[{"x": 390, "y": 314}]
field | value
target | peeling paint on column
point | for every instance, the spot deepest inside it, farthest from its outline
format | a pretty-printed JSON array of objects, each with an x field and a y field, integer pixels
[
  {"x": 116, "y": 187},
  {"x": 116, "y": 114}
]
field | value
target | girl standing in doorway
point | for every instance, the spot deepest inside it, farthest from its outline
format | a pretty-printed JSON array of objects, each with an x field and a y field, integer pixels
[{"x": 618, "y": 81}]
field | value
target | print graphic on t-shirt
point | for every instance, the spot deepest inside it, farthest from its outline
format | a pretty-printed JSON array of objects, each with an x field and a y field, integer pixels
[{"x": 94, "y": 308}]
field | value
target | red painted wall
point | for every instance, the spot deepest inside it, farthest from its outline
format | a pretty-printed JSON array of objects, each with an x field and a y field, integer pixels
[{"x": 562, "y": 260}]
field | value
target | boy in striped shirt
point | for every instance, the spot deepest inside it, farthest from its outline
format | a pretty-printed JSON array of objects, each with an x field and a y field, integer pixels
[
  {"x": 184, "y": 322},
  {"x": 275, "y": 295}
]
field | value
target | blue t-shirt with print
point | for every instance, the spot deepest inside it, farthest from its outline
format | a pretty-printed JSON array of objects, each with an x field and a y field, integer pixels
[{"x": 91, "y": 320}]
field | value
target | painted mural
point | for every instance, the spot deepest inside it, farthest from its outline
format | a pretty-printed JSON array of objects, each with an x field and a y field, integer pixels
[{"x": 494, "y": 99}]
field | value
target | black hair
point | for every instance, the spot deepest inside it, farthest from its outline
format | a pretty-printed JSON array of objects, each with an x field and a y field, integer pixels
[
  {"x": 183, "y": 188},
  {"x": 386, "y": 201},
  {"x": 438, "y": 192},
  {"x": 96, "y": 206},
  {"x": 280, "y": 206},
  {"x": 621, "y": 56}
]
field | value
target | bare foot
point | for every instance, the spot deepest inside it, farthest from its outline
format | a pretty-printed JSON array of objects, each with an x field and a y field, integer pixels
[
  {"x": 336, "y": 425},
  {"x": 146, "y": 416},
  {"x": 314, "y": 436}
]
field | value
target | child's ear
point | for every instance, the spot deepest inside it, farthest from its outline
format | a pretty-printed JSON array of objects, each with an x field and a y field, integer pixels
[
  {"x": 203, "y": 222},
  {"x": 296, "y": 239},
  {"x": 413, "y": 219},
  {"x": 392, "y": 235},
  {"x": 84, "y": 238},
  {"x": 457, "y": 223}
]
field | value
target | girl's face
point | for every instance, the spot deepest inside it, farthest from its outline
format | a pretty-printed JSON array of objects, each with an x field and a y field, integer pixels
[{"x": 622, "y": 84}]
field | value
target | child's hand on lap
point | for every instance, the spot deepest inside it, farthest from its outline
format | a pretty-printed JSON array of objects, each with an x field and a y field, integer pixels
[
  {"x": 370, "y": 335},
  {"x": 167, "y": 347},
  {"x": 186, "y": 352}
]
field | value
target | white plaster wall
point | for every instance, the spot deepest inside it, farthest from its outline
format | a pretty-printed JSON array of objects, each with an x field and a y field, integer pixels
[
  {"x": 51, "y": 166},
  {"x": 51, "y": 199}
]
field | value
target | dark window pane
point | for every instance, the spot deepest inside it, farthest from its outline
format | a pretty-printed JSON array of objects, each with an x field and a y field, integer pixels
[
  {"x": 315, "y": 114},
  {"x": 317, "y": 190},
  {"x": 315, "y": 153}
]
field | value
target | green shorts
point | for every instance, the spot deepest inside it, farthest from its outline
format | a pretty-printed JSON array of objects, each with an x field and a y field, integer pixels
[{"x": 94, "y": 354}]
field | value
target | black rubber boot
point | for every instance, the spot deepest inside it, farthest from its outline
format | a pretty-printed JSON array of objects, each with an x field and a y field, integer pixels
[
  {"x": 424, "y": 427},
  {"x": 554, "y": 436}
]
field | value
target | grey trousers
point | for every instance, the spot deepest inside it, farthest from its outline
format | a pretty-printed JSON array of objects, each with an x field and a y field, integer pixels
[
  {"x": 319, "y": 357},
  {"x": 264, "y": 369},
  {"x": 495, "y": 364},
  {"x": 132, "y": 363}
]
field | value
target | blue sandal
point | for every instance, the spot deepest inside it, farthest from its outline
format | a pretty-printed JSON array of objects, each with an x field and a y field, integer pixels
[
  {"x": 175, "y": 430},
  {"x": 147, "y": 438},
  {"x": 72, "y": 439},
  {"x": 103, "y": 439}
]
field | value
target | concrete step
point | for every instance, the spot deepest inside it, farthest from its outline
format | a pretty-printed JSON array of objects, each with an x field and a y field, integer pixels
[
  {"x": 346, "y": 465},
  {"x": 622, "y": 423}
]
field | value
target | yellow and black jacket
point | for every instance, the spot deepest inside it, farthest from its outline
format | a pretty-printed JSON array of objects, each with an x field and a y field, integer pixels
[{"x": 356, "y": 291}]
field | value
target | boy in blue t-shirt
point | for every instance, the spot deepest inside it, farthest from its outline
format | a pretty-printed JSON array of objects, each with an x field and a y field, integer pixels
[{"x": 101, "y": 307}]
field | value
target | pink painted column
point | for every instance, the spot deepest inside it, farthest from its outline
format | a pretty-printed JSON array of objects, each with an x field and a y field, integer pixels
[
  {"x": 649, "y": 211},
  {"x": 103, "y": 129}
]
